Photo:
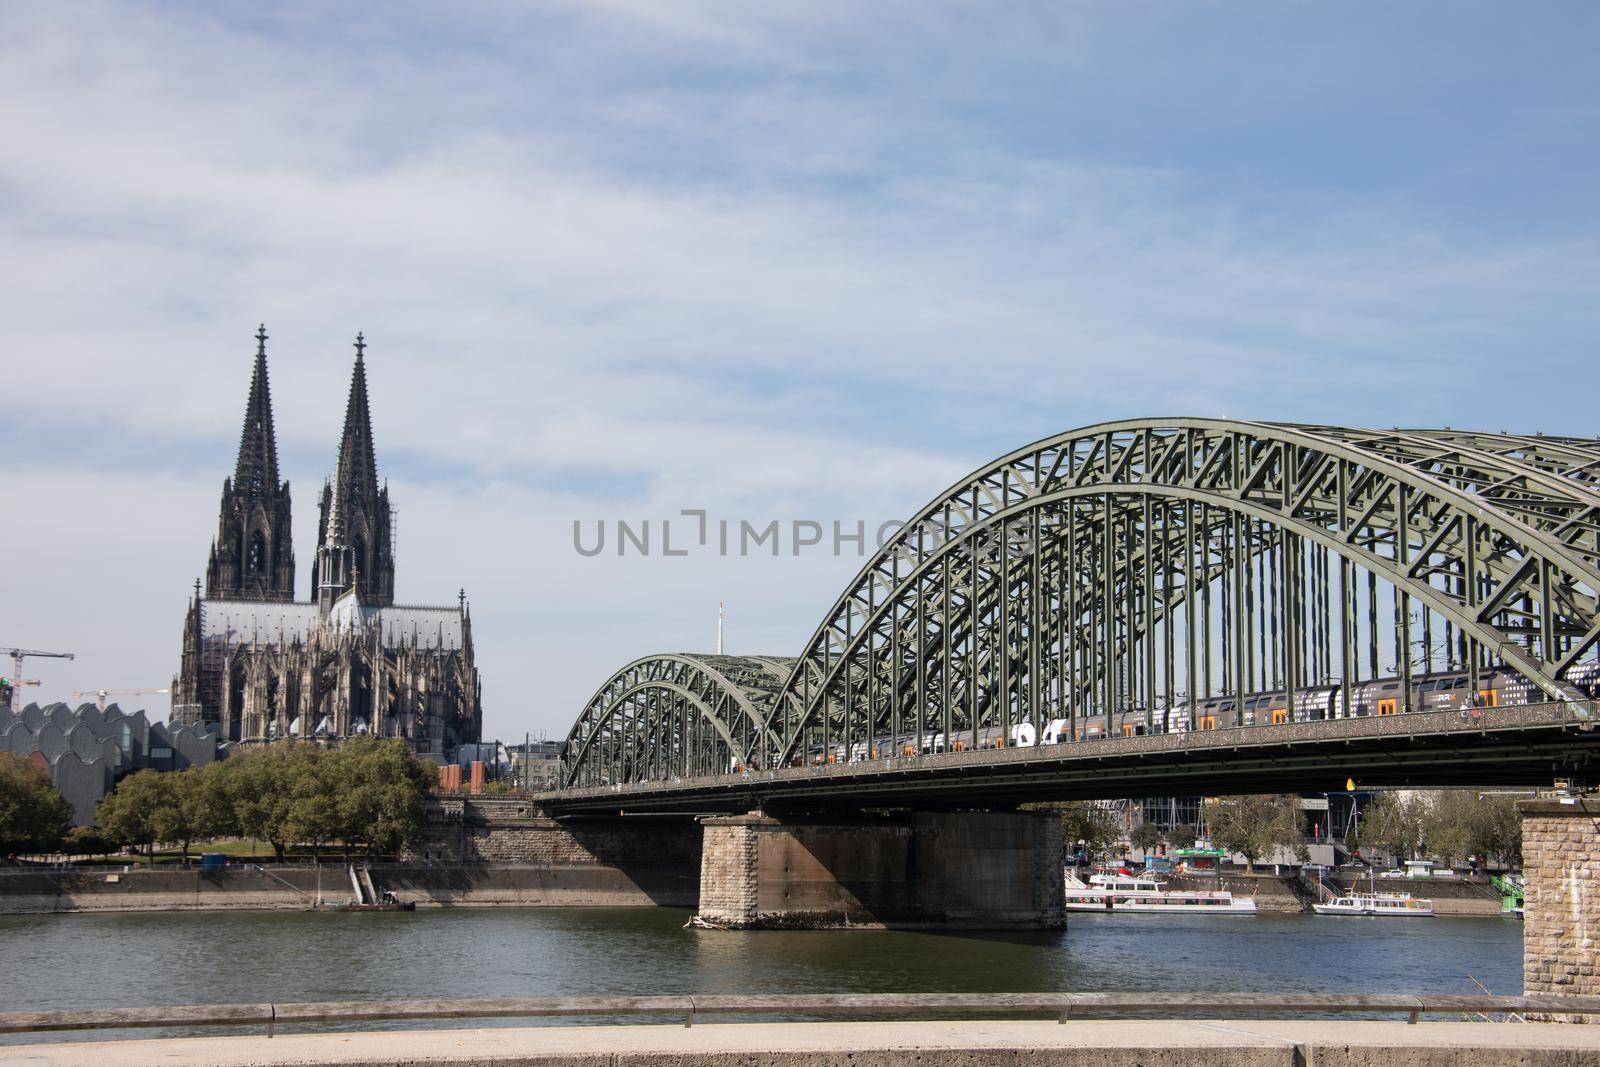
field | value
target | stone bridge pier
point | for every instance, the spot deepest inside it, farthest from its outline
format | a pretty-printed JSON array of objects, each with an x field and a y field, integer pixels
[
  {"x": 1561, "y": 868},
  {"x": 974, "y": 870}
]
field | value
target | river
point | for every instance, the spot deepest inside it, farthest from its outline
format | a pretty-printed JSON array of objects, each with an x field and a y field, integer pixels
[{"x": 121, "y": 960}]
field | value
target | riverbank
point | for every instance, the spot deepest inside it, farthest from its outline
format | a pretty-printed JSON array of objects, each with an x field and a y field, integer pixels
[
  {"x": 1078, "y": 1043},
  {"x": 1288, "y": 894},
  {"x": 672, "y": 883},
  {"x": 239, "y": 888}
]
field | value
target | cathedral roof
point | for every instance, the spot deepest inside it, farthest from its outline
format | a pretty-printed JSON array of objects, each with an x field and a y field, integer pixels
[{"x": 286, "y": 622}]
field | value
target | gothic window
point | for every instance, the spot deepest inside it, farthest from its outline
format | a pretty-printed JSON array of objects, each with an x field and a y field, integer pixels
[
  {"x": 358, "y": 554},
  {"x": 236, "y": 692},
  {"x": 256, "y": 561}
]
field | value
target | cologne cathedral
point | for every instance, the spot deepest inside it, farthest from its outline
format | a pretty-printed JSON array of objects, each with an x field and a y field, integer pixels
[{"x": 347, "y": 662}]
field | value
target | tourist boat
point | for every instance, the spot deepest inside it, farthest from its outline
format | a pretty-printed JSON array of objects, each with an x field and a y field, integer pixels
[
  {"x": 1372, "y": 902},
  {"x": 1403, "y": 905},
  {"x": 1118, "y": 892}
]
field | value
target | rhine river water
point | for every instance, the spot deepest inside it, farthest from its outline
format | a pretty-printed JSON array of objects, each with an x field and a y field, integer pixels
[{"x": 83, "y": 961}]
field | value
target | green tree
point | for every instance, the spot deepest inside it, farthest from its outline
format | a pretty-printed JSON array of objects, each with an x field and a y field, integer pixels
[
  {"x": 88, "y": 841},
  {"x": 1087, "y": 821},
  {"x": 188, "y": 807},
  {"x": 1182, "y": 837},
  {"x": 133, "y": 813},
  {"x": 1256, "y": 826},
  {"x": 367, "y": 794},
  {"x": 258, "y": 789},
  {"x": 311, "y": 780},
  {"x": 1391, "y": 824},
  {"x": 1457, "y": 823},
  {"x": 33, "y": 816},
  {"x": 1504, "y": 832},
  {"x": 378, "y": 790},
  {"x": 1145, "y": 837}
]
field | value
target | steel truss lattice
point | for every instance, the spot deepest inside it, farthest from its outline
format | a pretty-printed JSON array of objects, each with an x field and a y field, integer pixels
[{"x": 1146, "y": 566}]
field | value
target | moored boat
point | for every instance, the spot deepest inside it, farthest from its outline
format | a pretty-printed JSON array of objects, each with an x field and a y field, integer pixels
[
  {"x": 1117, "y": 892},
  {"x": 1403, "y": 905}
]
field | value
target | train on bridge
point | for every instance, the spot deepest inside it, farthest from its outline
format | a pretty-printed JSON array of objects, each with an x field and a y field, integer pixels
[{"x": 1438, "y": 691}]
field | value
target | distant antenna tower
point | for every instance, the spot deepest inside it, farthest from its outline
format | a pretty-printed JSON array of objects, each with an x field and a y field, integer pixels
[{"x": 719, "y": 627}]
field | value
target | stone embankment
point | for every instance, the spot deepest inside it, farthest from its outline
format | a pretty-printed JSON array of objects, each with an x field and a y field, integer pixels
[
  {"x": 1085, "y": 1043},
  {"x": 1289, "y": 893},
  {"x": 298, "y": 888},
  {"x": 478, "y": 852}
]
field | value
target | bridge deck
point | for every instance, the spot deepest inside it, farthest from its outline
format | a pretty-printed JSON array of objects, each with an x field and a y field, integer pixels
[{"x": 1526, "y": 745}]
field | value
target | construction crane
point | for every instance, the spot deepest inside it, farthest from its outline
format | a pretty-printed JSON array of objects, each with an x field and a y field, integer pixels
[
  {"x": 101, "y": 694},
  {"x": 17, "y": 681}
]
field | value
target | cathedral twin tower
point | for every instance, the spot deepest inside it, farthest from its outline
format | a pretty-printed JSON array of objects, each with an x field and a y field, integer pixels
[{"x": 260, "y": 665}]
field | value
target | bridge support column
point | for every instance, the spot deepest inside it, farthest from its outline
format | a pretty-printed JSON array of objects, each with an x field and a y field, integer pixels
[
  {"x": 1561, "y": 898},
  {"x": 974, "y": 870}
]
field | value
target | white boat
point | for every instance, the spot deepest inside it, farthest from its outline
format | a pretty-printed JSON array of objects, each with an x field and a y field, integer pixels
[
  {"x": 1112, "y": 892},
  {"x": 1403, "y": 905}
]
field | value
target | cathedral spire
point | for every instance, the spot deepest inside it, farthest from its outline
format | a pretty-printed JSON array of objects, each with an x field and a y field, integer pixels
[
  {"x": 256, "y": 473},
  {"x": 354, "y": 530},
  {"x": 252, "y": 557}
]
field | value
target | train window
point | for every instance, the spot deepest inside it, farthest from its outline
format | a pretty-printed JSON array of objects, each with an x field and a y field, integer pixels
[
  {"x": 1280, "y": 716},
  {"x": 1207, "y": 722},
  {"x": 1489, "y": 698},
  {"x": 1388, "y": 707}
]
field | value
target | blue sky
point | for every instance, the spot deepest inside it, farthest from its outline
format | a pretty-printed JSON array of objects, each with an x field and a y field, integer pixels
[{"x": 808, "y": 261}]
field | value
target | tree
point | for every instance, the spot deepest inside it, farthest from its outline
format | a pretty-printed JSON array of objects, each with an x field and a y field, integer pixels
[
  {"x": 88, "y": 841},
  {"x": 1145, "y": 837},
  {"x": 259, "y": 790},
  {"x": 131, "y": 814},
  {"x": 1086, "y": 821},
  {"x": 1182, "y": 837},
  {"x": 378, "y": 792},
  {"x": 1456, "y": 823},
  {"x": 1255, "y": 826},
  {"x": 33, "y": 816},
  {"x": 1504, "y": 833},
  {"x": 187, "y": 807},
  {"x": 1392, "y": 824}
]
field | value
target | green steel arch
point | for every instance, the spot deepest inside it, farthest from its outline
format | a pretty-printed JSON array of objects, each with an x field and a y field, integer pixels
[
  {"x": 1495, "y": 538},
  {"x": 1150, "y": 565},
  {"x": 673, "y": 716}
]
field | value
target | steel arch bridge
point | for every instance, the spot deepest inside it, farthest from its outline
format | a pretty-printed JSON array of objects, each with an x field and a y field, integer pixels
[{"x": 1158, "y": 577}]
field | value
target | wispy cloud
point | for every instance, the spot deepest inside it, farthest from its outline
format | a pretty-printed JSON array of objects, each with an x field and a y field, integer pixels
[{"x": 620, "y": 259}]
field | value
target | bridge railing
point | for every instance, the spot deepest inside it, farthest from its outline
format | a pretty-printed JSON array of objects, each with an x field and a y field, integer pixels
[{"x": 1061, "y": 1006}]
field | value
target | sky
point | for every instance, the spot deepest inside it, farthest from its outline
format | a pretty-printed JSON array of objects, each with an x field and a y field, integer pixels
[{"x": 805, "y": 262}]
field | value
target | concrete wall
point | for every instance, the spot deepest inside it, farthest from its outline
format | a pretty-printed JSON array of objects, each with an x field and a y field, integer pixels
[
  {"x": 237, "y": 888},
  {"x": 920, "y": 1043},
  {"x": 1561, "y": 897},
  {"x": 977, "y": 870},
  {"x": 515, "y": 831}
]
